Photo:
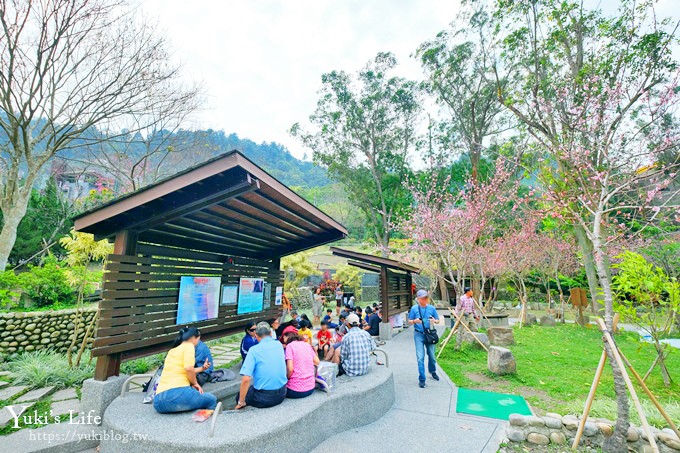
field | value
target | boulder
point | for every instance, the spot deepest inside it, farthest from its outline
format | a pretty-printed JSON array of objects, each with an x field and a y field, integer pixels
[
  {"x": 538, "y": 439},
  {"x": 501, "y": 361},
  {"x": 669, "y": 440},
  {"x": 548, "y": 320},
  {"x": 552, "y": 422},
  {"x": 531, "y": 319},
  {"x": 517, "y": 420},
  {"x": 606, "y": 429},
  {"x": 470, "y": 338},
  {"x": 516, "y": 434},
  {"x": 590, "y": 429},
  {"x": 671, "y": 432},
  {"x": 501, "y": 336},
  {"x": 570, "y": 422},
  {"x": 558, "y": 438},
  {"x": 534, "y": 420}
]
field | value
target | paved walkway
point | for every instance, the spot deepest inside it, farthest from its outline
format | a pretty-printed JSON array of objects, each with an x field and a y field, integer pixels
[{"x": 421, "y": 419}]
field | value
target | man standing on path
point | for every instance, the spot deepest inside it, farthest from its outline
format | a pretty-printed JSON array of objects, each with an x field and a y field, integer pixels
[
  {"x": 338, "y": 298},
  {"x": 466, "y": 308},
  {"x": 422, "y": 315}
]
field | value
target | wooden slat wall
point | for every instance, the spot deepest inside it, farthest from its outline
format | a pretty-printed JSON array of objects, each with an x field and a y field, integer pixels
[
  {"x": 140, "y": 293},
  {"x": 397, "y": 292}
]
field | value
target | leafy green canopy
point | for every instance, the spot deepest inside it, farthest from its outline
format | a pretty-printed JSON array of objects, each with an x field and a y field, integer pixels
[{"x": 364, "y": 130}]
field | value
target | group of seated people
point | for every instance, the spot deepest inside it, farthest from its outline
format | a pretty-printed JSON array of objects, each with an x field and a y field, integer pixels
[{"x": 280, "y": 360}]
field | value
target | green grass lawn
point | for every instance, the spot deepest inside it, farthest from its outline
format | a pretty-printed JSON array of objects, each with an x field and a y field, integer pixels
[{"x": 556, "y": 366}]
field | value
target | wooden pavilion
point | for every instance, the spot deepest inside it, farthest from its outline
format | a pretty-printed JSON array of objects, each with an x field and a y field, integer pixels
[
  {"x": 226, "y": 217},
  {"x": 395, "y": 280}
]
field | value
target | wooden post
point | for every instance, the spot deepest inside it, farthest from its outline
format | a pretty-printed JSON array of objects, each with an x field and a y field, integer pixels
[
  {"x": 593, "y": 389},
  {"x": 479, "y": 307},
  {"x": 629, "y": 384},
  {"x": 125, "y": 243},
  {"x": 589, "y": 400},
  {"x": 384, "y": 300},
  {"x": 448, "y": 338},
  {"x": 650, "y": 395},
  {"x": 458, "y": 318}
]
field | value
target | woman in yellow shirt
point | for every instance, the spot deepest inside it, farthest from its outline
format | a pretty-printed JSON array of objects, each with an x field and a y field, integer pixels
[{"x": 177, "y": 389}]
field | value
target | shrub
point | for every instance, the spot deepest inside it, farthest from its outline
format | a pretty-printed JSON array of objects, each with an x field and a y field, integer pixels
[
  {"x": 9, "y": 284},
  {"x": 46, "y": 368},
  {"x": 142, "y": 365},
  {"x": 47, "y": 284}
]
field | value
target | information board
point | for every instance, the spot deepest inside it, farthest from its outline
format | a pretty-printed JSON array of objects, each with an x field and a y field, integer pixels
[
  {"x": 229, "y": 295},
  {"x": 199, "y": 298},
  {"x": 250, "y": 295},
  {"x": 279, "y": 295}
]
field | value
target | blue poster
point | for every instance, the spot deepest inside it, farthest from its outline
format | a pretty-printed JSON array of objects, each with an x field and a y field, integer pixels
[
  {"x": 199, "y": 298},
  {"x": 250, "y": 295}
]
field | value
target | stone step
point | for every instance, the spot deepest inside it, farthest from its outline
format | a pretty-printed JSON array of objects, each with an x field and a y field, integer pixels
[
  {"x": 65, "y": 438},
  {"x": 6, "y": 415},
  {"x": 63, "y": 407},
  {"x": 3, "y": 384},
  {"x": 35, "y": 395},
  {"x": 65, "y": 394},
  {"x": 10, "y": 392}
]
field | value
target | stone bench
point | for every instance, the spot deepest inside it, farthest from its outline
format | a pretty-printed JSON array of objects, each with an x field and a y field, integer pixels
[
  {"x": 495, "y": 320},
  {"x": 220, "y": 389},
  {"x": 136, "y": 427}
]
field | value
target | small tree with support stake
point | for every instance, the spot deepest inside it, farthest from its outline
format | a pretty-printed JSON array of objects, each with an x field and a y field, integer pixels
[{"x": 649, "y": 298}]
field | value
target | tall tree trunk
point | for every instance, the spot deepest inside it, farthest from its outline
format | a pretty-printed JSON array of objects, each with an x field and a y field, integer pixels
[
  {"x": 591, "y": 273},
  {"x": 617, "y": 441},
  {"x": 561, "y": 292},
  {"x": 475, "y": 157},
  {"x": 476, "y": 288},
  {"x": 12, "y": 217},
  {"x": 385, "y": 244},
  {"x": 444, "y": 290}
]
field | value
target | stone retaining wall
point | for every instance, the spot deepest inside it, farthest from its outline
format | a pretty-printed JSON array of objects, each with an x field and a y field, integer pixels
[
  {"x": 555, "y": 429},
  {"x": 32, "y": 331}
]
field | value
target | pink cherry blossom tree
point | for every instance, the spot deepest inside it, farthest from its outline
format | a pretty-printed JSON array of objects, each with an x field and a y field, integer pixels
[
  {"x": 558, "y": 259},
  {"x": 515, "y": 254},
  {"x": 450, "y": 228},
  {"x": 598, "y": 95}
]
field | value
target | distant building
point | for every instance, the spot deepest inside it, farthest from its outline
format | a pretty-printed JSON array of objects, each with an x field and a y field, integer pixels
[{"x": 77, "y": 183}]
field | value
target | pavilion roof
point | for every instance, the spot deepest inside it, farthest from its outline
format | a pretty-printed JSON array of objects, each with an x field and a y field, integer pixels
[
  {"x": 371, "y": 262},
  {"x": 226, "y": 206}
]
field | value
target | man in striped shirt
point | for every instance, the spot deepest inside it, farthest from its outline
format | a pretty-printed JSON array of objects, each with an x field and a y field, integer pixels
[{"x": 468, "y": 311}]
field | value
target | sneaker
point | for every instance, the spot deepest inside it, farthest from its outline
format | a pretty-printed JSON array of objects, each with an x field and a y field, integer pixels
[
  {"x": 422, "y": 385},
  {"x": 435, "y": 377}
]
